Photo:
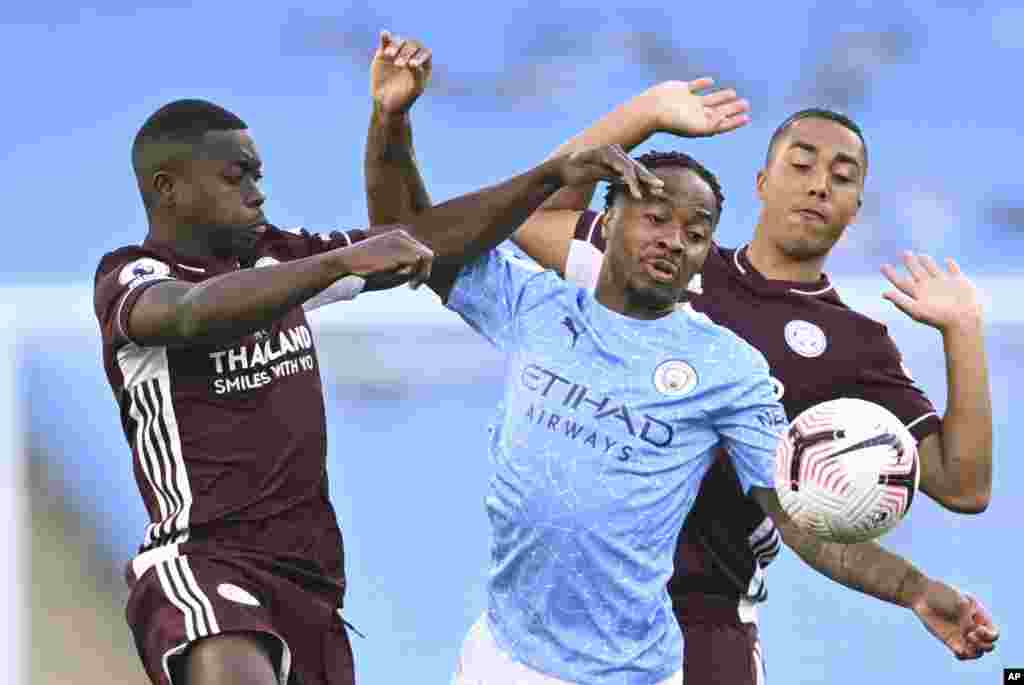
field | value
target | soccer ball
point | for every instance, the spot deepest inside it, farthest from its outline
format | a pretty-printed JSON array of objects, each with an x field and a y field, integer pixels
[{"x": 847, "y": 470}]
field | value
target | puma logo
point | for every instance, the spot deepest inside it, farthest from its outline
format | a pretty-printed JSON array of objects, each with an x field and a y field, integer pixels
[{"x": 571, "y": 325}]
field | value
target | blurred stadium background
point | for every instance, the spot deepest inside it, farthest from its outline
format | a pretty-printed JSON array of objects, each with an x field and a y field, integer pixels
[{"x": 410, "y": 389}]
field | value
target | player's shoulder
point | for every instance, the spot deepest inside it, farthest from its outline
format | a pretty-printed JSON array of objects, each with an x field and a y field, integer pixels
[
  {"x": 740, "y": 354},
  {"x": 833, "y": 308},
  {"x": 132, "y": 262}
]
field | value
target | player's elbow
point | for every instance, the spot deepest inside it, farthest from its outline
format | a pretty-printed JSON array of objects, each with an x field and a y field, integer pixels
[{"x": 973, "y": 501}]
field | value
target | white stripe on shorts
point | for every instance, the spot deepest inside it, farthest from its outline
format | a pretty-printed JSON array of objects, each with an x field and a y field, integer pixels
[
  {"x": 760, "y": 670},
  {"x": 181, "y": 588}
]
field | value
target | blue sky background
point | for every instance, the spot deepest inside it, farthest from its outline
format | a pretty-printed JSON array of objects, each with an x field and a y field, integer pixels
[{"x": 935, "y": 86}]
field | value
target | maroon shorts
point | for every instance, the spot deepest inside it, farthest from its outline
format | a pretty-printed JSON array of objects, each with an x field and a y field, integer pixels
[
  {"x": 718, "y": 647},
  {"x": 178, "y": 599}
]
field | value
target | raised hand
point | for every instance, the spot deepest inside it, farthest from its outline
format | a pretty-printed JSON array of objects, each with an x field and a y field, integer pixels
[
  {"x": 389, "y": 259},
  {"x": 678, "y": 107},
  {"x": 959, "y": 621},
  {"x": 933, "y": 296},
  {"x": 609, "y": 163},
  {"x": 399, "y": 73}
]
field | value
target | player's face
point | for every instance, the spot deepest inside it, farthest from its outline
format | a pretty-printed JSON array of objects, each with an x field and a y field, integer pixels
[
  {"x": 219, "y": 192},
  {"x": 812, "y": 187},
  {"x": 656, "y": 245}
]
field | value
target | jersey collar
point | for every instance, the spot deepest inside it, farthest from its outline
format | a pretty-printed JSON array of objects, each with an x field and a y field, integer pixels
[{"x": 753, "y": 278}]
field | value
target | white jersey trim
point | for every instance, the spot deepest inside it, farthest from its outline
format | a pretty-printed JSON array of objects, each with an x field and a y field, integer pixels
[
  {"x": 920, "y": 419},
  {"x": 147, "y": 382},
  {"x": 583, "y": 264},
  {"x": 739, "y": 267}
]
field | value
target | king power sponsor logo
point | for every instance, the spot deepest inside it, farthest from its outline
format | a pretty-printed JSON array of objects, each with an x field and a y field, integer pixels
[
  {"x": 581, "y": 414},
  {"x": 248, "y": 367}
]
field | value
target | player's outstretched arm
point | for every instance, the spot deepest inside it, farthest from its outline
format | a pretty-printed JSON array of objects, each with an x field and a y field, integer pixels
[
  {"x": 956, "y": 463},
  {"x": 676, "y": 107},
  {"x": 958, "y": 621},
  {"x": 461, "y": 228},
  {"x": 229, "y": 306},
  {"x": 467, "y": 226},
  {"x": 395, "y": 191}
]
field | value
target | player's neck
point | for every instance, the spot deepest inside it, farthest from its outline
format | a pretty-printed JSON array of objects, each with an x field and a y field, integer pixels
[
  {"x": 185, "y": 240},
  {"x": 621, "y": 302},
  {"x": 774, "y": 265}
]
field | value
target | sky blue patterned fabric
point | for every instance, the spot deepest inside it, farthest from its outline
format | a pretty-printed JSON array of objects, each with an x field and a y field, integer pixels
[{"x": 606, "y": 428}]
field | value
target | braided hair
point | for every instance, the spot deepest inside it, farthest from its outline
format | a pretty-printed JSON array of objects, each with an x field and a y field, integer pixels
[{"x": 654, "y": 160}]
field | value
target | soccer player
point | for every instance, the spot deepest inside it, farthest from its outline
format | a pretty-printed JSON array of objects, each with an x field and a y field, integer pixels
[
  {"x": 614, "y": 407},
  {"x": 774, "y": 293},
  {"x": 240, "y": 575},
  {"x": 719, "y": 618}
]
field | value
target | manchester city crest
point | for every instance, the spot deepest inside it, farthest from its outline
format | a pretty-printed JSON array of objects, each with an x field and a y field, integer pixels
[{"x": 675, "y": 378}]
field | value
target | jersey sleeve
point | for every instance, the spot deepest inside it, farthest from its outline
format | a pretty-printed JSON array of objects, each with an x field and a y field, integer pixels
[
  {"x": 492, "y": 290},
  {"x": 586, "y": 252},
  {"x": 750, "y": 424},
  {"x": 121, "y": 278},
  {"x": 887, "y": 382}
]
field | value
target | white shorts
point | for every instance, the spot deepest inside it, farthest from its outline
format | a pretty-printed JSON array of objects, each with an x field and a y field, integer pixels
[{"x": 483, "y": 662}]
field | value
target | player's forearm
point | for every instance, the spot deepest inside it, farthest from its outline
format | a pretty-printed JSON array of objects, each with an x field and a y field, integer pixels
[
  {"x": 627, "y": 126},
  {"x": 465, "y": 227},
  {"x": 967, "y": 424},
  {"x": 865, "y": 567},
  {"x": 395, "y": 192},
  {"x": 235, "y": 304}
]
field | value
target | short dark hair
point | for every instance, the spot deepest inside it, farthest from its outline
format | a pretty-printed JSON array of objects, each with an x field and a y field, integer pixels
[
  {"x": 816, "y": 113},
  {"x": 653, "y": 160},
  {"x": 176, "y": 124}
]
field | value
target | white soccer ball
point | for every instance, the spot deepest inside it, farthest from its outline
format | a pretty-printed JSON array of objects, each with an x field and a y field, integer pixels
[{"x": 847, "y": 470}]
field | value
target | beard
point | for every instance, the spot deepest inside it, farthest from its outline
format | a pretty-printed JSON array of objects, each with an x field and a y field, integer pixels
[
  {"x": 655, "y": 297},
  {"x": 234, "y": 242}
]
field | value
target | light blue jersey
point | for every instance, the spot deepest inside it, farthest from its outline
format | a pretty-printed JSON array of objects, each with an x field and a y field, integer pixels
[{"x": 607, "y": 426}]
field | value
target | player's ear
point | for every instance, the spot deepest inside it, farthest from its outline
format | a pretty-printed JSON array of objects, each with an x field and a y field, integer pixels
[
  {"x": 162, "y": 189},
  {"x": 604, "y": 220},
  {"x": 856, "y": 213},
  {"x": 760, "y": 181}
]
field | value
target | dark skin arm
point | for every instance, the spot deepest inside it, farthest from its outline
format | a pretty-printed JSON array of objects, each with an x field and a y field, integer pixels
[
  {"x": 463, "y": 228},
  {"x": 224, "y": 308},
  {"x": 395, "y": 191},
  {"x": 400, "y": 71}
]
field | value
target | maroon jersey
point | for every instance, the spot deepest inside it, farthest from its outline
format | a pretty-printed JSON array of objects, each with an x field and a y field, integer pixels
[
  {"x": 228, "y": 440},
  {"x": 818, "y": 349}
]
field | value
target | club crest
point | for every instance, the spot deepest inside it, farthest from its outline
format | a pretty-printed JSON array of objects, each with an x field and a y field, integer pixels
[
  {"x": 675, "y": 378},
  {"x": 805, "y": 338}
]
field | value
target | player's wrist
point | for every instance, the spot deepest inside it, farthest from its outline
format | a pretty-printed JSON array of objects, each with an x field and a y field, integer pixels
[
  {"x": 913, "y": 590},
  {"x": 390, "y": 117},
  {"x": 966, "y": 324},
  {"x": 648, "y": 109}
]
